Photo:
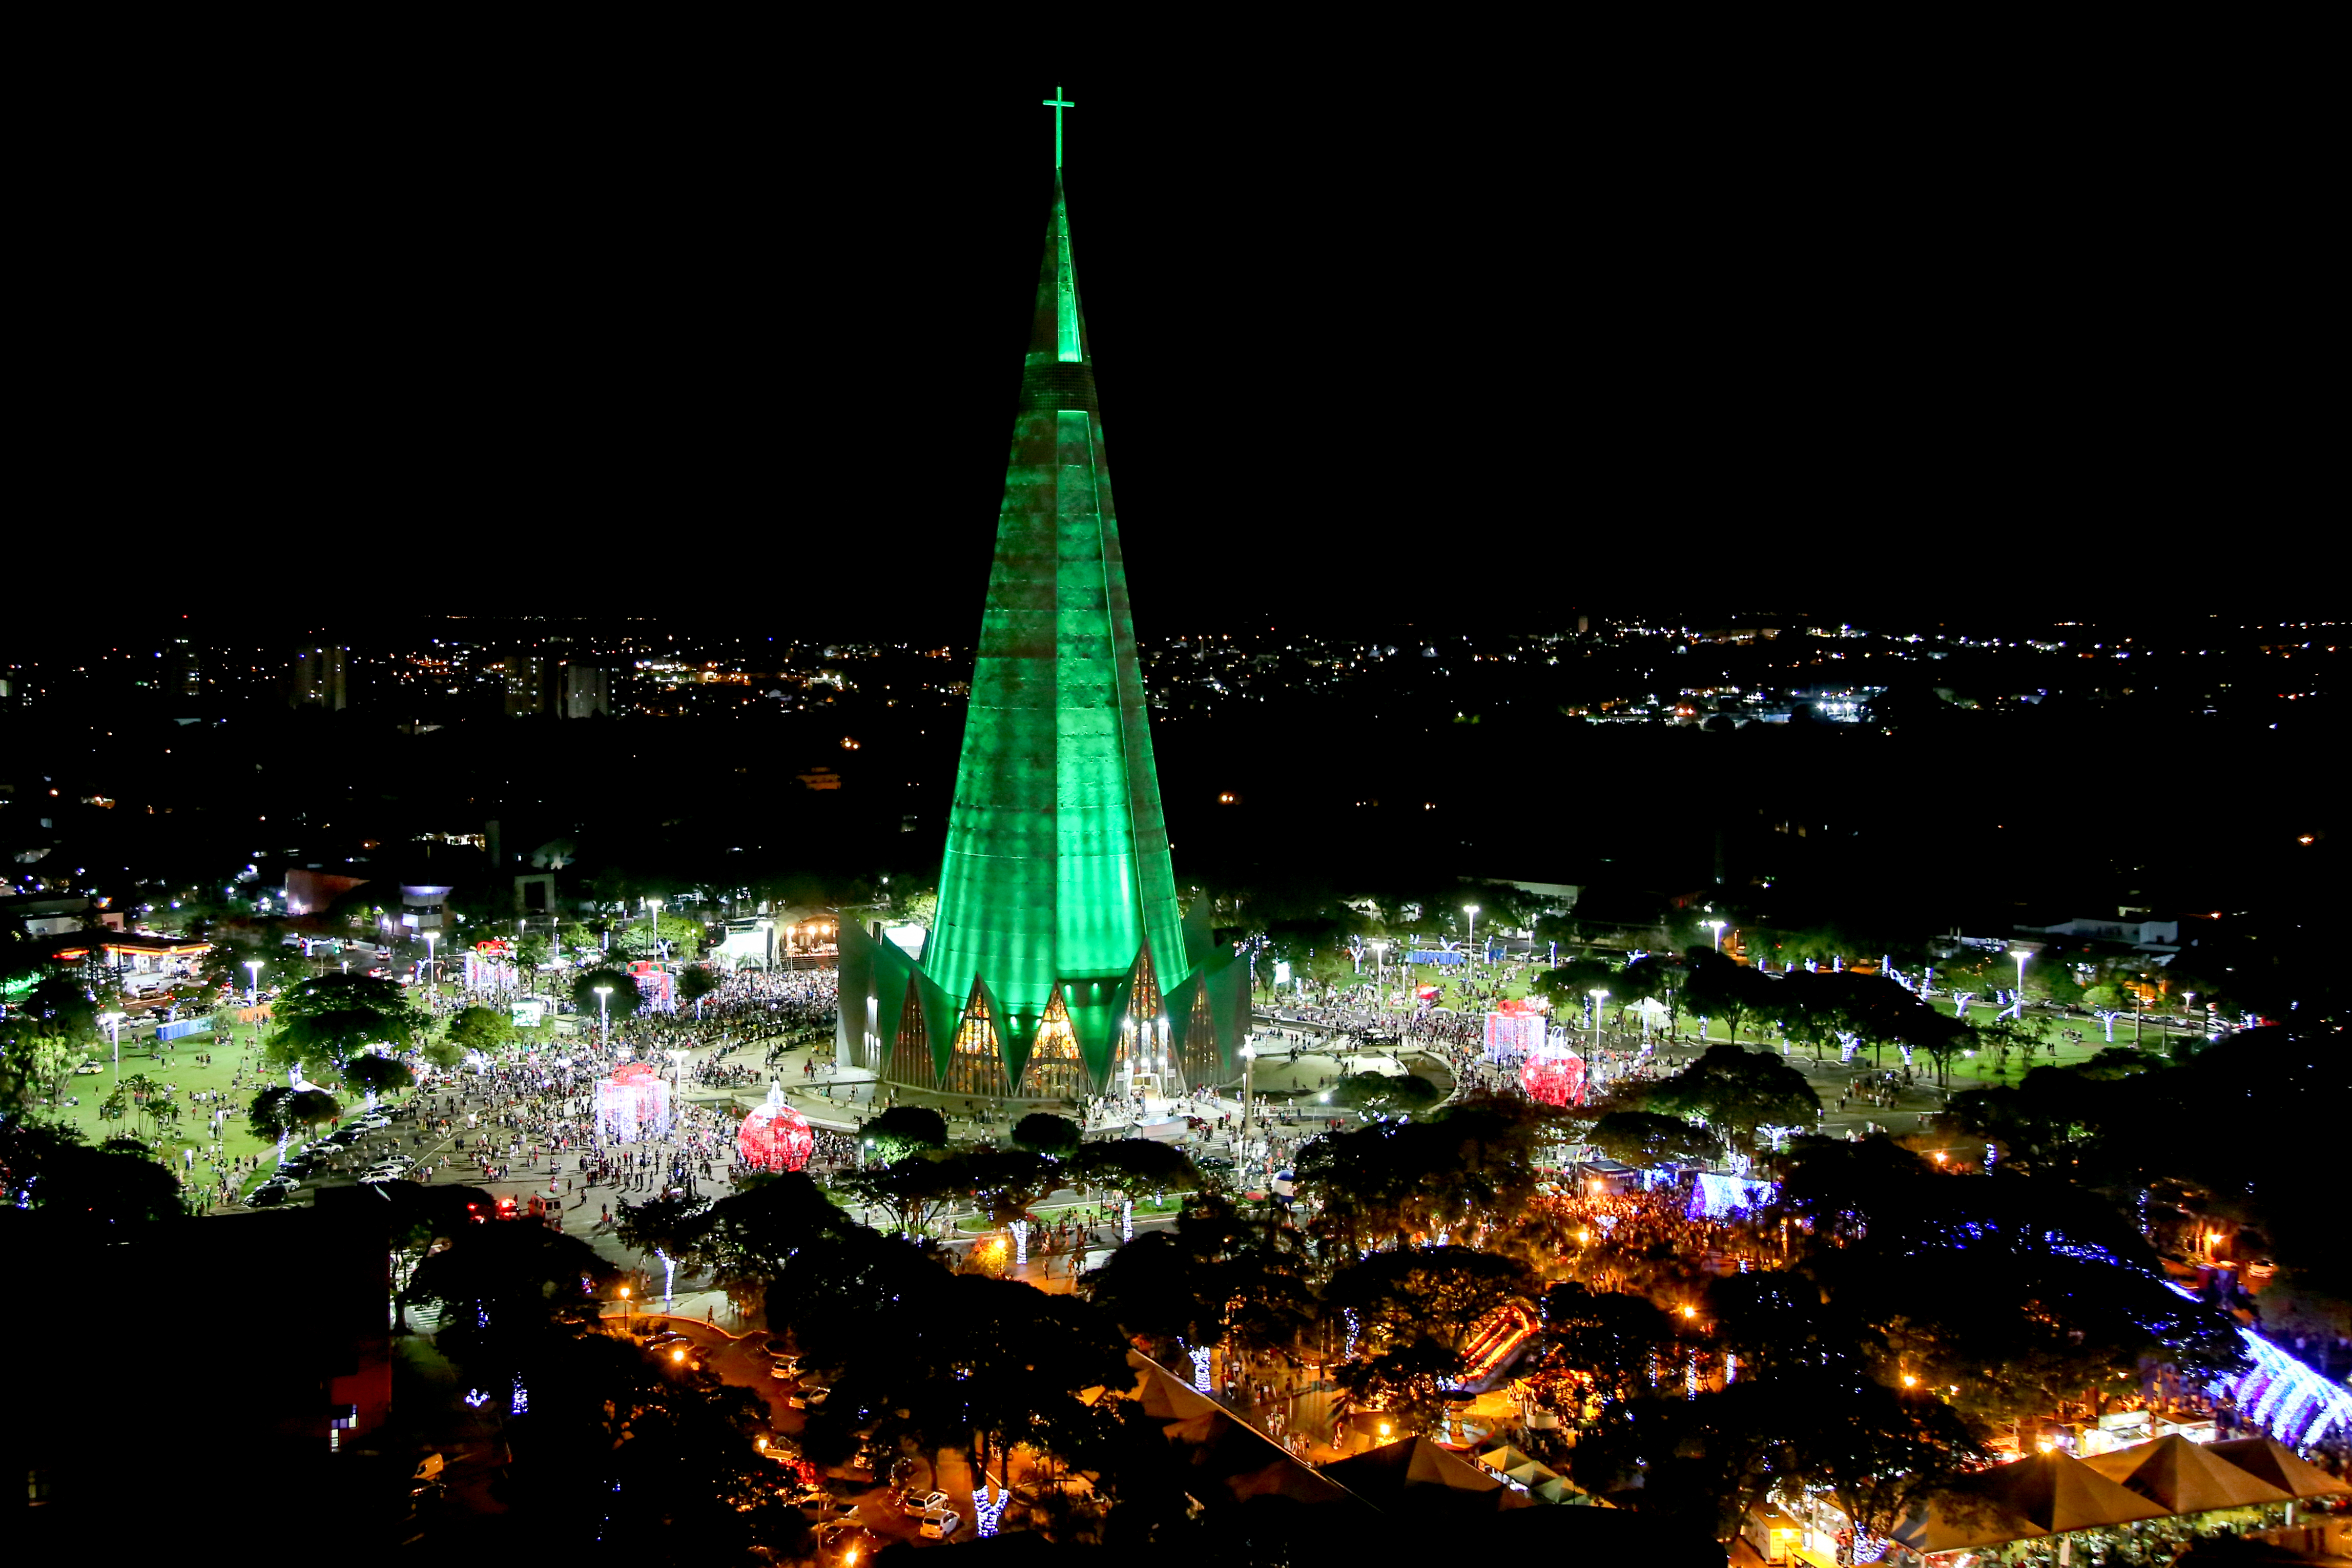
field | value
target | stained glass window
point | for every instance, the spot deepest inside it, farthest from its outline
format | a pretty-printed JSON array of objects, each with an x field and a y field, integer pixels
[
  {"x": 1055, "y": 1070},
  {"x": 911, "y": 1053},
  {"x": 973, "y": 1066},
  {"x": 1202, "y": 1063}
]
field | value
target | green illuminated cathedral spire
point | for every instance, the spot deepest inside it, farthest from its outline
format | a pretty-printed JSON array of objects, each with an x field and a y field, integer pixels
[{"x": 1059, "y": 964}]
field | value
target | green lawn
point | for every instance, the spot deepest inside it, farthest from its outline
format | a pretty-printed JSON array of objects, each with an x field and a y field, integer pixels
[
  {"x": 177, "y": 1062},
  {"x": 1968, "y": 1072}
]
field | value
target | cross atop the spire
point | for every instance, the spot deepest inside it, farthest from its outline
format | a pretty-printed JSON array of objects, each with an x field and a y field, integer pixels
[{"x": 1057, "y": 103}]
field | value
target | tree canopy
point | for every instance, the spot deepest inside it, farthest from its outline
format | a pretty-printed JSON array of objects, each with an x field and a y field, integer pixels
[
  {"x": 477, "y": 1028},
  {"x": 1739, "y": 1090},
  {"x": 621, "y": 996},
  {"x": 331, "y": 1019},
  {"x": 1043, "y": 1132},
  {"x": 1645, "y": 1138},
  {"x": 902, "y": 1131}
]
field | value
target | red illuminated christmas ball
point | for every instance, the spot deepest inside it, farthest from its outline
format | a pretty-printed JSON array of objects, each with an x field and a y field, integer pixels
[
  {"x": 774, "y": 1137},
  {"x": 1554, "y": 1080}
]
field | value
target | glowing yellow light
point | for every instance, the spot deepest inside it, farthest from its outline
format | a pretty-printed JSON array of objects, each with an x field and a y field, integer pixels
[
  {"x": 625, "y": 1292},
  {"x": 1909, "y": 1380},
  {"x": 2213, "y": 1239},
  {"x": 1690, "y": 1311},
  {"x": 677, "y": 1355},
  {"x": 1384, "y": 1428}
]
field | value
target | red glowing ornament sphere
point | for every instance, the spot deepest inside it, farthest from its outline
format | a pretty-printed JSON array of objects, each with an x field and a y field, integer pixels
[
  {"x": 774, "y": 1137},
  {"x": 1554, "y": 1080}
]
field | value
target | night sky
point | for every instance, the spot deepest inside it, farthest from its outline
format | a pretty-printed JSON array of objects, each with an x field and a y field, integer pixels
[{"x": 1372, "y": 345}]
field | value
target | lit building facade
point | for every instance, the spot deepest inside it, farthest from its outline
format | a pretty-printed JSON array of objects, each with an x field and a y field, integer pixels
[{"x": 1059, "y": 963}]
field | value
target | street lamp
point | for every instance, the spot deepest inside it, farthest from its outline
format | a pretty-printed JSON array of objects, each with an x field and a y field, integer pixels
[
  {"x": 1598, "y": 994},
  {"x": 113, "y": 1023},
  {"x": 604, "y": 1018},
  {"x": 253, "y": 989},
  {"x": 1381, "y": 968},
  {"x": 1471, "y": 911},
  {"x": 1716, "y": 926},
  {"x": 653, "y": 928},
  {"x": 2020, "y": 954},
  {"x": 1249, "y": 1067}
]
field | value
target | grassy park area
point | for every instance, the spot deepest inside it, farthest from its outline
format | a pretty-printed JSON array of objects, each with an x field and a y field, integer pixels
[
  {"x": 178, "y": 1066},
  {"x": 232, "y": 1074},
  {"x": 2058, "y": 1046},
  {"x": 2057, "y": 1032}
]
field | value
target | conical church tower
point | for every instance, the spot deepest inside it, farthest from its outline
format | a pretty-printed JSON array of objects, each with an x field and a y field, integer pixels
[{"x": 1060, "y": 964}]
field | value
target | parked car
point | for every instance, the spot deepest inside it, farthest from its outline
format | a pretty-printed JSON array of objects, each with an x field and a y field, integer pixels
[
  {"x": 941, "y": 1525},
  {"x": 2261, "y": 1268},
  {"x": 916, "y": 1504},
  {"x": 842, "y": 1541}
]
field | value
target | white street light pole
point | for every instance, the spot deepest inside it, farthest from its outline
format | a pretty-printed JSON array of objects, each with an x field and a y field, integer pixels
[
  {"x": 1249, "y": 1067},
  {"x": 113, "y": 1022},
  {"x": 253, "y": 989},
  {"x": 653, "y": 928},
  {"x": 433, "y": 967},
  {"x": 1716, "y": 926},
  {"x": 2020, "y": 954},
  {"x": 1598, "y": 994},
  {"x": 603, "y": 1018},
  {"x": 1471, "y": 911}
]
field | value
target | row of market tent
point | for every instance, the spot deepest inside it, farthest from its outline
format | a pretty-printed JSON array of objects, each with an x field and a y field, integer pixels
[{"x": 2055, "y": 1494}]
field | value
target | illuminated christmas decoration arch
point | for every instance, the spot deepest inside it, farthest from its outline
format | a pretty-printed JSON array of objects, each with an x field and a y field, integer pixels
[
  {"x": 1516, "y": 1028},
  {"x": 774, "y": 1137},
  {"x": 633, "y": 1103}
]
